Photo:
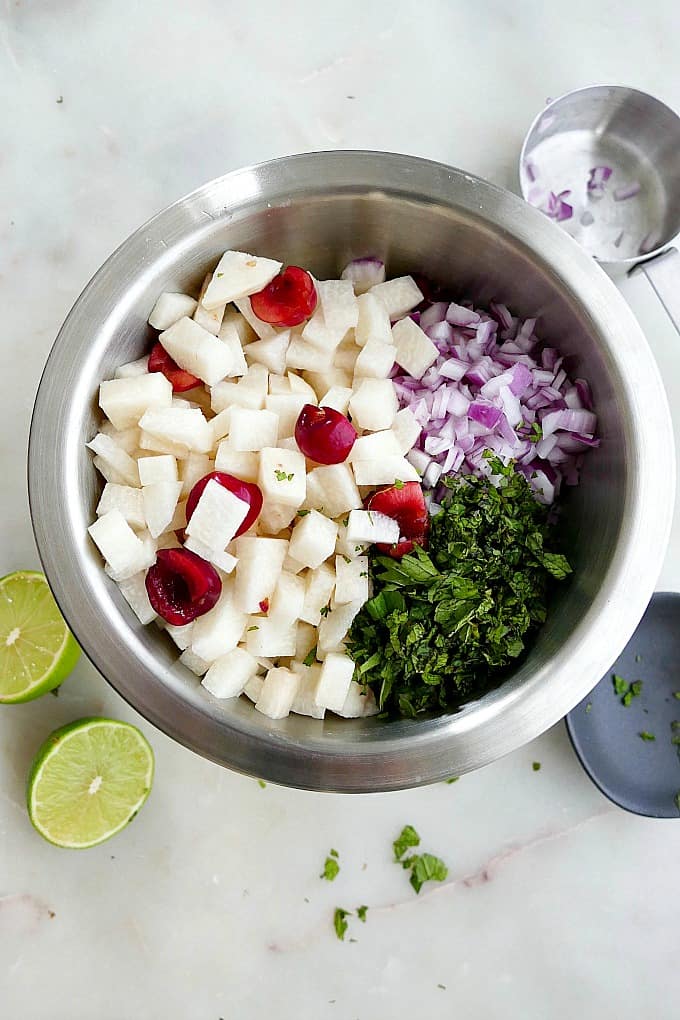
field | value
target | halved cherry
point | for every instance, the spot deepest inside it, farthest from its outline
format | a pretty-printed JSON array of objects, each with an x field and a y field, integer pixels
[
  {"x": 324, "y": 435},
  {"x": 182, "y": 586},
  {"x": 404, "y": 502},
  {"x": 288, "y": 300},
  {"x": 160, "y": 361},
  {"x": 247, "y": 491}
]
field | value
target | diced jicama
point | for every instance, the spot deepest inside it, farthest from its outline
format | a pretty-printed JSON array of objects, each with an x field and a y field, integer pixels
[
  {"x": 287, "y": 407},
  {"x": 256, "y": 378},
  {"x": 228, "y": 675},
  {"x": 385, "y": 471},
  {"x": 335, "y": 625},
  {"x": 224, "y": 561},
  {"x": 374, "y": 404},
  {"x": 398, "y": 296},
  {"x": 279, "y": 384},
  {"x": 253, "y": 688},
  {"x": 209, "y": 319},
  {"x": 132, "y": 369},
  {"x": 406, "y": 429},
  {"x": 288, "y": 599},
  {"x": 270, "y": 353},
  {"x": 261, "y": 329},
  {"x": 372, "y": 526},
  {"x": 334, "y": 680},
  {"x": 124, "y": 401},
  {"x": 359, "y": 703},
  {"x": 313, "y": 539},
  {"x": 274, "y": 517},
  {"x": 374, "y": 321},
  {"x": 169, "y": 308},
  {"x": 108, "y": 472},
  {"x": 157, "y": 469},
  {"x": 252, "y": 430},
  {"x": 244, "y": 331},
  {"x": 419, "y": 459},
  {"x": 319, "y": 585},
  {"x": 270, "y": 637},
  {"x": 197, "y": 351},
  {"x": 282, "y": 476},
  {"x": 338, "y": 303},
  {"x": 194, "y": 662},
  {"x": 347, "y": 354},
  {"x": 259, "y": 565},
  {"x": 125, "y": 553},
  {"x": 307, "y": 356},
  {"x": 239, "y": 275},
  {"x": 134, "y": 592},
  {"x": 126, "y": 499},
  {"x": 346, "y": 548},
  {"x": 219, "y": 630},
  {"x": 351, "y": 579},
  {"x": 305, "y": 637},
  {"x": 298, "y": 385},
  {"x": 180, "y": 635},
  {"x": 304, "y": 703},
  {"x": 337, "y": 397},
  {"x": 413, "y": 349},
  {"x": 160, "y": 500},
  {"x": 375, "y": 446},
  {"x": 220, "y": 425},
  {"x": 123, "y": 464},
  {"x": 180, "y": 425},
  {"x": 126, "y": 439},
  {"x": 192, "y": 469},
  {"x": 326, "y": 378},
  {"x": 241, "y": 463},
  {"x": 227, "y": 395},
  {"x": 375, "y": 360},
  {"x": 230, "y": 335},
  {"x": 278, "y": 693},
  {"x": 331, "y": 487},
  {"x": 288, "y": 443},
  {"x": 154, "y": 444},
  {"x": 217, "y": 516}
]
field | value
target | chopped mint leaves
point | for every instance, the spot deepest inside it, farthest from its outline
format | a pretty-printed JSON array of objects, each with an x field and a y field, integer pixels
[
  {"x": 281, "y": 476},
  {"x": 645, "y": 735},
  {"x": 310, "y": 657},
  {"x": 361, "y": 913},
  {"x": 331, "y": 868},
  {"x": 408, "y": 837},
  {"x": 340, "y": 922},
  {"x": 536, "y": 766}
]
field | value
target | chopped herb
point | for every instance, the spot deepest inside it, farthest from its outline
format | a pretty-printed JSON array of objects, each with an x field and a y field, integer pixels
[
  {"x": 398, "y": 484},
  {"x": 452, "y": 779},
  {"x": 261, "y": 783},
  {"x": 536, "y": 433},
  {"x": 252, "y": 628},
  {"x": 620, "y": 685},
  {"x": 644, "y": 735},
  {"x": 364, "y": 573},
  {"x": 281, "y": 476},
  {"x": 303, "y": 513},
  {"x": 325, "y": 610},
  {"x": 219, "y": 275},
  {"x": 676, "y": 694},
  {"x": 358, "y": 548},
  {"x": 589, "y": 707},
  {"x": 345, "y": 522},
  {"x": 331, "y": 868},
  {"x": 333, "y": 853},
  {"x": 425, "y": 868},
  {"x": 445, "y": 621},
  {"x": 536, "y": 766},
  {"x": 361, "y": 912},
  {"x": 677, "y": 800},
  {"x": 347, "y": 559},
  {"x": 309, "y": 657},
  {"x": 638, "y": 658},
  {"x": 408, "y": 837},
  {"x": 339, "y": 922}
]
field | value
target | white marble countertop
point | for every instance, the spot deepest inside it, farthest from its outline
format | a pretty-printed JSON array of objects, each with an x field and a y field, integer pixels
[{"x": 209, "y": 905}]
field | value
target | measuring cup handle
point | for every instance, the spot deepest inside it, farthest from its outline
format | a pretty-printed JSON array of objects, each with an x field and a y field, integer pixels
[{"x": 663, "y": 272}]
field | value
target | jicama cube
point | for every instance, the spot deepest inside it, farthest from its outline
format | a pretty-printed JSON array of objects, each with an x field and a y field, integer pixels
[
  {"x": 337, "y": 397},
  {"x": 406, "y": 429},
  {"x": 359, "y": 703},
  {"x": 230, "y": 335},
  {"x": 334, "y": 680},
  {"x": 253, "y": 430},
  {"x": 192, "y": 469},
  {"x": 413, "y": 349},
  {"x": 305, "y": 355},
  {"x": 338, "y": 303},
  {"x": 279, "y": 384},
  {"x": 180, "y": 635},
  {"x": 375, "y": 446},
  {"x": 180, "y": 425},
  {"x": 304, "y": 703},
  {"x": 282, "y": 476},
  {"x": 259, "y": 565},
  {"x": 170, "y": 308},
  {"x": 123, "y": 464},
  {"x": 132, "y": 369},
  {"x": 375, "y": 360},
  {"x": 244, "y": 330},
  {"x": 209, "y": 319},
  {"x": 224, "y": 561},
  {"x": 351, "y": 579},
  {"x": 287, "y": 406},
  {"x": 220, "y": 425},
  {"x": 197, "y": 351},
  {"x": 260, "y": 328},
  {"x": 371, "y": 526},
  {"x": 108, "y": 472},
  {"x": 157, "y": 469},
  {"x": 278, "y": 693},
  {"x": 236, "y": 462},
  {"x": 219, "y": 630},
  {"x": 398, "y": 296},
  {"x": 374, "y": 321},
  {"x": 270, "y": 353},
  {"x": 319, "y": 585},
  {"x": 126, "y": 499},
  {"x": 256, "y": 378},
  {"x": 194, "y": 662},
  {"x": 332, "y": 488},
  {"x": 288, "y": 443},
  {"x": 267, "y": 636},
  {"x": 154, "y": 444},
  {"x": 228, "y": 675},
  {"x": 347, "y": 354},
  {"x": 288, "y": 599},
  {"x": 334, "y": 627},
  {"x": 274, "y": 517},
  {"x": 313, "y": 539},
  {"x": 344, "y": 547},
  {"x": 217, "y": 516},
  {"x": 125, "y": 553},
  {"x": 385, "y": 471},
  {"x": 126, "y": 439},
  {"x": 238, "y": 275},
  {"x": 374, "y": 404},
  {"x": 305, "y": 637},
  {"x": 134, "y": 592},
  {"x": 253, "y": 688},
  {"x": 298, "y": 385},
  {"x": 324, "y": 379},
  {"x": 160, "y": 500},
  {"x": 419, "y": 460},
  {"x": 226, "y": 395},
  {"x": 124, "y": 401}
]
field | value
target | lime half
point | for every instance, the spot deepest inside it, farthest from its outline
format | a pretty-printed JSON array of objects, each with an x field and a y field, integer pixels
[
  {"x": 37, "y": 650},
  {"x": 88, "y": 780}
]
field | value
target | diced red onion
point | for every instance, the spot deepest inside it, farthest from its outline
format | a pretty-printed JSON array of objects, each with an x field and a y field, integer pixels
[
  {"x": 457, "y": 315},
  {"x": 364, "y": 273},
  {"x": 434, "y": 314},
  {"x": 627, "y": 191},
  {"x": 598, "y": 177}
]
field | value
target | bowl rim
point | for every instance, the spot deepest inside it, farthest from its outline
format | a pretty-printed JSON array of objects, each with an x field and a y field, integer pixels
[{"x": 419, "y": 751}]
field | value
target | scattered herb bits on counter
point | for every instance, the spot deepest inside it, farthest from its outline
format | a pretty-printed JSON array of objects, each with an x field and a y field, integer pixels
[
  {"x": 423, "y": 867},
  {"x": 331, "y": 867},
  {"x": 306, "y": 478}
]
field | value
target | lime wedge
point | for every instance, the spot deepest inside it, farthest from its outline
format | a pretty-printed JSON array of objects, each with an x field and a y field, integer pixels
[
  {"x": 37, "y": 650},
  {"x": 88, "y": 780}
]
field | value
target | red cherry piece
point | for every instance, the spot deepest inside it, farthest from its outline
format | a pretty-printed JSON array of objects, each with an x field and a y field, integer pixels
[
  {"x": 288, "y": 300},
  {"x": 264, "y": 606},
  {"x": 324, "y": 435},
  {"x": 160, "y": 361},
  {"x": 182, "y": 586},
  {"x": 246, "y": 491},
  {"x": 406, "y": 505}
]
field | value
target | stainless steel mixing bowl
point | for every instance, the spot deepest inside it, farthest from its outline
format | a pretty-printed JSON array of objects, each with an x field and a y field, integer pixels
[{"x": 320, "y": 210}]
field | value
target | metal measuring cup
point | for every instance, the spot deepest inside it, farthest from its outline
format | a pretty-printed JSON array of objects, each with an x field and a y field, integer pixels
[{"x": 604, "y": 161}]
